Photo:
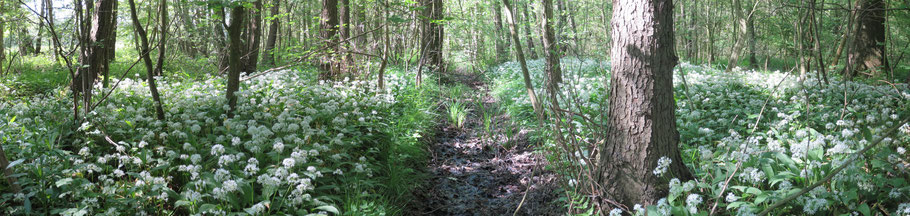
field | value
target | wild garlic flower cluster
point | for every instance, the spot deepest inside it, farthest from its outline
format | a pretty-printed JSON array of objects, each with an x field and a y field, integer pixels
[
  {"x": 290, "y": 138},
  {"x": 782, "y": 133}
]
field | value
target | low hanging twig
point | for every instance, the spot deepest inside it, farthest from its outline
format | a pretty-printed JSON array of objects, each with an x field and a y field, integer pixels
[{"x": 840, "y": 168}]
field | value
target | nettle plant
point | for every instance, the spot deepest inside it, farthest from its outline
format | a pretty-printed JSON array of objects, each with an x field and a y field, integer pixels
[
  {"x": 293, "y": 147},
  {"x": 751, "y": 138}
]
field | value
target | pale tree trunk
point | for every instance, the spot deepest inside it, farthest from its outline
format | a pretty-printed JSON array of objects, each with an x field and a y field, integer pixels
[
  {"x": 143, "y": 49},
  {"x": 868, "y": 54},
  {"x": 41, "y": 14},
  {"x": 642, "y": 121},
  {"x": 269, "y": 58},
  {"x": 739, "y": 31},
  {"x": 529, "y": 86},
  {"x": 235, "y": 49}
]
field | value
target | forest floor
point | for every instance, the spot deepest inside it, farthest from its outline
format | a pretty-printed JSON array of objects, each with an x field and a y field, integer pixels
[{"x": 474, "y": 172}]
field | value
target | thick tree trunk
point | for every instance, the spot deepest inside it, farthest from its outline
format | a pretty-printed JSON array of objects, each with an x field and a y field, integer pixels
[
  {"x": 250, "y": 57},
  {"x": 431, "y": 38},
  {"x": 529, "y": 86},
  {"x": 532, "y": 52},
  {"x": 328, "y": 30},
  {"x": 235, "y": 48},
  {"x": 143, "y": 49},
  {"x": 739, "y": 31},
  {"x": 868, "y": 54},
  {"x": 110, "y": 44},
  {"x": 642, "y": 110},
  {"x": 97, "y": 57},
  {"x": 550, "y": 46},
  {"x": 269, "y": 58}
]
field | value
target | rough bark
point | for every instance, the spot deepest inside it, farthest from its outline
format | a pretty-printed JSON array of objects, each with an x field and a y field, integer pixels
[
  {"x": 502, "y": 43},
  {"x": 532, "y": 52},
  {"x": 431, "y": 38},
  {"x": 41, "y": 15},
  {"x": 111, "y": 44},
  {"x": 739, "y": 31},
  {"x": 529, "y": 86},
  {"x": 250, "y": 56},
  {"x": 347, "y": 59},
  {"x": 269, "y": 58},
  {"x": 97, "y": 52},
  {"x": 750, "y": 32},
  {"x": 235, "y": 49},
  {"x": 328, "y": 30},
  {"x": 144, "y": 53},
  {"x": 550, "y": 46},
  {"x": 868, "y": 54},
  {"x": 642, "y": 110},
  {"x": 220, "y": 41},
  {"x": 163, "y": 31}
]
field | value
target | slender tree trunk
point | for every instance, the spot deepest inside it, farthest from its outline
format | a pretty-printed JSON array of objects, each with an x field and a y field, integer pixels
[
  {"x": 269, "y": 58},
  {"x": 386, "y": 45},
  {"x": 329, "y": 29},
  {"x": 163, "y": 31},
  {"x": 144, "y": 52},
  {"x": 817, "y": 46},
  {"x": 2, "y": 44},
  {"x": 532, "y": 52},
  {"x": 502, "y": 43},
  {"x": 347, "y": 58},
  {"x": 41, "y": 14},
  {"x": 220, "y": 42},
  {"x": 868, "y": 54},
  {"x": 550, "y": 46},
  {"x": 250, "y": 57},
  {"x": 529, "y": 86},
  {"x": 750, "y": 32},
  {"x": 235, "y": 48},
  {"x": 642, "y": 112}
]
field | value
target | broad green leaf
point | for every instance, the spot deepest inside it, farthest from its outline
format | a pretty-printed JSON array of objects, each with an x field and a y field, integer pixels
[{"x": 328, "y": 208}]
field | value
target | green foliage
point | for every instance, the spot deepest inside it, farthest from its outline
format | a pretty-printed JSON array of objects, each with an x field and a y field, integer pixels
[
  {"x": 802, "y": 134},
  {"x": 294, "y": 147}
]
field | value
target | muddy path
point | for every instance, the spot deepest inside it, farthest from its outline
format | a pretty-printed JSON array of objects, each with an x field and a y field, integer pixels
[{"x": 477, "y": 172}]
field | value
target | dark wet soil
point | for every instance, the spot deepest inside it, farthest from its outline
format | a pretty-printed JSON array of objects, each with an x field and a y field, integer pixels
[{"x": 475, "y": 173}]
